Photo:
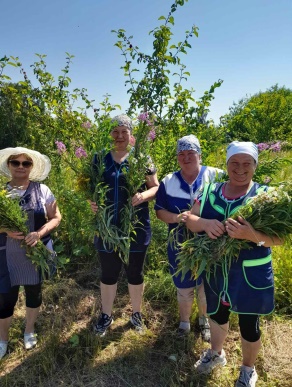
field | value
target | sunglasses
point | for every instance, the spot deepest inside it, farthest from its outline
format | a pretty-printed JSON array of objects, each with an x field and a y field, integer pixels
[{"x": 24, "y": 164}]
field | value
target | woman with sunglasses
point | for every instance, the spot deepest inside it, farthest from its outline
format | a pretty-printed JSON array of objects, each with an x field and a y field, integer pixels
[{"x": 24, "y": 168}]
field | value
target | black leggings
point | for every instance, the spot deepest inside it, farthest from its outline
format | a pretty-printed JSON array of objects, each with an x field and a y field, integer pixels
[
  {"x": 249, "y": 324},
  {"x": 111, "y": 265},
  {"x": 33, "y": 296}
]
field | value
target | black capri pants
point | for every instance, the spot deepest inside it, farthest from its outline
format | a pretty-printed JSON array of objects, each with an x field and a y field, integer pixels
[
  {"x": 111, "y": 266},
  {"x": 249, "y": 324},
  {"x": 33, "y": 297}
]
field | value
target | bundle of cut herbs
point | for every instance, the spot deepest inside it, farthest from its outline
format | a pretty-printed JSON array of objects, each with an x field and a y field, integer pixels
[
  {"x": 119, "y": 238},
  {"x": 269, "y": 212},
  {"x": 13, "y": 218}
]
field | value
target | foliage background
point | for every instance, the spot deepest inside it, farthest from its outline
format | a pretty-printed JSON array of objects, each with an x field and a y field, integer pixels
[{"x": 38, "y": 112}]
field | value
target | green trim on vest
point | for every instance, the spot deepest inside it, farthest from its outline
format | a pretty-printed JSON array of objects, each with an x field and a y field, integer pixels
[{"x": 257, "y": 262}]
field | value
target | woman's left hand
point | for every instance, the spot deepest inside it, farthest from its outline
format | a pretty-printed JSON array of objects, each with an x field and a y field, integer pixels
[
  {"x": 32, "y": 238},
  {"x": 239, "y": 229},
  {"x": 137, "y": 199}
]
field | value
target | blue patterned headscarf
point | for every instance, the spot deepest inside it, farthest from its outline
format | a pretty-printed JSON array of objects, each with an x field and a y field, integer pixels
[
  {"x": 123, "y": 120},
  {"x": 189, "y": 142}
]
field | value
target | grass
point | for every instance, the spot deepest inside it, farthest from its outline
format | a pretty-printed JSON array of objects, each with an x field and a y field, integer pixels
[{"x": 69, "y": 354}]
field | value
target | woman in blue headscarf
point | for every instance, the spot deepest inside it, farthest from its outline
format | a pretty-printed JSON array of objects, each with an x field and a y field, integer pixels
[{"x": 176, "y": 194}]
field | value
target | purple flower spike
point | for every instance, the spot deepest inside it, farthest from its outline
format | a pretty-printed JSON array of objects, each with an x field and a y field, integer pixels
[
  {"x": 80, "y": 152},
  {"x": 143, "y": 117},
  {"x": 86, "y": 125},
  {"x": 152, "y": 134},
  {"x": 276, "y": 147},
  {"x": 61, "y": 147},
  {"x": 262, "y": 146}
]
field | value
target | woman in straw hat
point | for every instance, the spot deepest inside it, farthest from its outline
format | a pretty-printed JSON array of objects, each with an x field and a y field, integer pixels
[{"x": 24, "y": 168}]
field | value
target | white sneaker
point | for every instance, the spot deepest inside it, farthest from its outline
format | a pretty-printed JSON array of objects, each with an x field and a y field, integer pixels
[
  {"x": 3, "y": 348},
  {"x": 30, "y": 340},
  {"x": 205, "y": 329},
  {"x": 247, "y": 377},
  {"x": 209, "y": 360}
]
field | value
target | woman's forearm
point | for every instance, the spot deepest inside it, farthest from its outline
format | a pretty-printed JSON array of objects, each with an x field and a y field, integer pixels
[
  {"x": 149, "y": 194},
  {"x": 167, "y": 216}
]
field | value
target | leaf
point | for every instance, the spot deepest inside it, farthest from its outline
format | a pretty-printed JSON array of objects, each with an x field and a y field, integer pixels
[
  {"x": 162, "y": 18},
  {"x": 74, "y": 340},
  {"x": 171, "y": 20},
  {"x": 12, "y": 64}
]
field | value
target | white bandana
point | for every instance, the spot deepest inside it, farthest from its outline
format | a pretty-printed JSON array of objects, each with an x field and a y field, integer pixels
[{"x": 248, "y": 148}]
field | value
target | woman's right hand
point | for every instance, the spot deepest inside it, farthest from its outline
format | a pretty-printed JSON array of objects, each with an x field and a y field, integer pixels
[
  {"x": 93, "y": 206},
  {"x": 213, "y": 228},
  {"x": 15, "y": 234}
]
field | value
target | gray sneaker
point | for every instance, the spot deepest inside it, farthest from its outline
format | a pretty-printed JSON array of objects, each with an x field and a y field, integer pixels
[
  {"x": 103, "y": 323},
  {"x": 210, "y": 360},
  {"x": 3, "y": 348},
  {"x": 137, "y": 321},
  {"x": 247, "y": 378},
  {"x": 182, "y": 333},
  {"x": 205, "y": 329}
]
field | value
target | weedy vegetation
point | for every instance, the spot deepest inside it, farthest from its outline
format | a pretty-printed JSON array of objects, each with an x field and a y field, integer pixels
[{"x": 40, "y": 112}]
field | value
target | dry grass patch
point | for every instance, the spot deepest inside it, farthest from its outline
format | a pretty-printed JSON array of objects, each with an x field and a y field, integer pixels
[{"x": 69, "y": 354}]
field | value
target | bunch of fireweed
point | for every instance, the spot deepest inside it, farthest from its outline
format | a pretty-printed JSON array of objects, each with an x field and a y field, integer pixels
[
  {"x": 13, "y": 218},
  {"x": 90, "y": 179},
  {"x": 135, "y": 173},
  {"x": 269, "y": 212}
]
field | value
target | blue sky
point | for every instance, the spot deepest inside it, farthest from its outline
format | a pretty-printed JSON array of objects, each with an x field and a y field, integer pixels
[{"x": 247, "y": 43}]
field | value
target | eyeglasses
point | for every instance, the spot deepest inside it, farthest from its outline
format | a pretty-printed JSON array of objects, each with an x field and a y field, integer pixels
[{"x": 24, "y": 164}]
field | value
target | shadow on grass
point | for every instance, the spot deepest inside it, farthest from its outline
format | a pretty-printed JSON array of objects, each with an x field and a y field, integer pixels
[{"x": 69, "y": 354}]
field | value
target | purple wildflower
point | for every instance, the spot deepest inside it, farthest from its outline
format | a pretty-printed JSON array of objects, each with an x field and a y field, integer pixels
[
  {"x": 80, "y": 152},
  {"x": 262, "y": 146},
  {"x": 152, "y": 134},
  {"x": 144, "y": 117},
  {"x": 276, "y": 147},
  {"x": 86, "y": 125},
  {"x": 61, "y": 147}
]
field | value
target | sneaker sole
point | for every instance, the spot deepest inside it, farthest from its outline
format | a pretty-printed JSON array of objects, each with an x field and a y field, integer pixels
[{"x": 209, "y": 370}]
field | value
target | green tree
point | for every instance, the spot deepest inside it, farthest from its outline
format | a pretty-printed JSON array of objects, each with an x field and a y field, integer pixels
[{"x": 265, "y": 116}]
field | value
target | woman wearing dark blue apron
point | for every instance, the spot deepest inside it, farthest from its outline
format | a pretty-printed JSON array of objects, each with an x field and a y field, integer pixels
[
  {"x": 246, "y": 287},
  {"x": 24, "y": 168},
  {"x": 115, "y": 162}
]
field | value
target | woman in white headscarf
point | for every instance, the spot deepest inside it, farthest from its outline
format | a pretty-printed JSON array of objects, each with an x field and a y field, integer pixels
[
  {"x": 24, "y": 168},
  {"x": 247, "y": 286}
]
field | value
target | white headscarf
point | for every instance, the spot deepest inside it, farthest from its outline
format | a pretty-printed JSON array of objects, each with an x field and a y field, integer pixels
[{"x": 247, "y": 147}]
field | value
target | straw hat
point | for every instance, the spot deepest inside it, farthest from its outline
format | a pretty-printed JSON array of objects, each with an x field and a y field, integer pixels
[{"x": 41, "y": 163}]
